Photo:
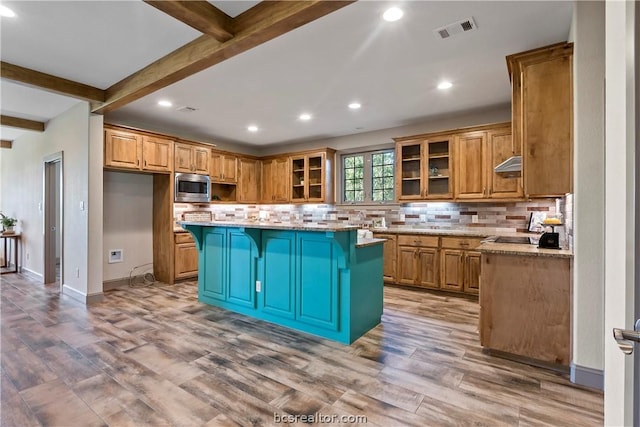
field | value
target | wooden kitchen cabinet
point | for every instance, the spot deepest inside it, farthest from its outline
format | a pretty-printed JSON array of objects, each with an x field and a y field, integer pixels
[
  {"x": 460, "y": 268},
  {"x": 311, "y": 177},
  {"x": 224, "y": 167},
  {"x": 424, "y": 169},
  {"x": 275, "y": 180},
  {"x": 542, "y": 117},
  {"x": 248, "y": 180},
  {"x": 125, "y": 149},
  {"x": 185, "y": 257},
  {"x": 190, "y": 158},
  {"x": 417, "y": 261},
  {"x": 477, "y": 154},
  {"x": 389, "y": 256}
]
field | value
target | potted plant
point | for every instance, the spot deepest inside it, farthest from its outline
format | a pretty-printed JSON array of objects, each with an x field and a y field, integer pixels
[{"x": 7, "y": 223}]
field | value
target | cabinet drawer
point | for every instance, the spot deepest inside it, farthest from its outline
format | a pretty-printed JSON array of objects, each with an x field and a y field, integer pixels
[
  {"x": 461, "y": 242},
  {"x": 184, "y": 238},
  {"x": 418, "y": 240}
]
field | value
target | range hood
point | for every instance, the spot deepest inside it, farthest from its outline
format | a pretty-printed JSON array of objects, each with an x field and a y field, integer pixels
[{"x": 510, "y": 168}]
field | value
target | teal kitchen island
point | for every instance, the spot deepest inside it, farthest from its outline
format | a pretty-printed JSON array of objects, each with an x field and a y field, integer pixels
[{"x": 318, "y": 279}]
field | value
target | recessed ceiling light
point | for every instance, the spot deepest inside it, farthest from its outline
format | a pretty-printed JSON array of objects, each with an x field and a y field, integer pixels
[
  {"x": 444, "y": 85},
  {"x": 252, "y": 128},
  {"x": 6, "y": 12},
  {"x": 355, "y": 105},
  {"x": 392, "y": 14},
  {"x": 305, "y": 116},
  {"x": 165, "y": 103}
]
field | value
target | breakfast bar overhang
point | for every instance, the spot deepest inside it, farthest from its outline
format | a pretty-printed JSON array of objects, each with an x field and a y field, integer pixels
[{"x": 319, "y": 279}]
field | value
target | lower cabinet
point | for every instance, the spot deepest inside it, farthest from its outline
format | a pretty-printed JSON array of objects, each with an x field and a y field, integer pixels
[
  {"x": 279, "y": 271},
  {"x": 186, "y": 257},
  {"x": 433, "y": 262},
  {"x": 418, "y": 261},
  {"x": 389, "y": 254},
  {"x": 460, "y": 265}
]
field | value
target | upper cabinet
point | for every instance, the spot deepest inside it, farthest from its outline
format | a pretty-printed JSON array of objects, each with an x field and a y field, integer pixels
[
  {"x": 424, "y": 169},
  {"x": 275, "y": 180},
  {"x": 224, "y": 167},
  {"x": 477, "y": 153},
  {"x": 249, "y": 180},
  {"x": 191, "y": 158},
  {"x": 125, "y": 149},
  {"x": 542, "y": 117},
  {"x": 311, "y": 177}
]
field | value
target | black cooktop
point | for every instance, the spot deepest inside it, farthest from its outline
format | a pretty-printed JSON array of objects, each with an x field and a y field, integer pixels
[{"x": 518, "y": 240}]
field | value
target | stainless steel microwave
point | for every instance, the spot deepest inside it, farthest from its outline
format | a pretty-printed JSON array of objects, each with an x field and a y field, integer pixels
[{"x": 192, "y": 188}]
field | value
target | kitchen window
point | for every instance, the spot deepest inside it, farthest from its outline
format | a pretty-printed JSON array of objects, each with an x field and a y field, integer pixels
[{"x": 368, "y": 177}]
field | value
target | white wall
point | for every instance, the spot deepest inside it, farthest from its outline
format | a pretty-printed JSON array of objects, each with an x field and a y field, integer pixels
[
  {"x": 588, "y": 274},
  {"x": 22, "y": 182},
  {"x": 482, "y": 116},
  {"x": 128, "y": 221},
  {"x": 620, "y": 206}
]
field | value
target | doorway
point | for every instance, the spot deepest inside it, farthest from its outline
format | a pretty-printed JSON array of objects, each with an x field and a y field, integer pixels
[{"x": 53, "y": 212}]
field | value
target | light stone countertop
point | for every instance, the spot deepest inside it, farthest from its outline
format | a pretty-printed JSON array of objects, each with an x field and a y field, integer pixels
[
  {"x": 526, "y": 250},
  {"x": 300, "y": 226}
]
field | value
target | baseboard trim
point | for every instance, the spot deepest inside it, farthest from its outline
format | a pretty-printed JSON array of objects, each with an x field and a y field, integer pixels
[
  {"x": 588, "y": 377},
  {"x": 112, "y": 284},
  {"x": 81, "y": 296},
  {"x": 32, "y": 274}
]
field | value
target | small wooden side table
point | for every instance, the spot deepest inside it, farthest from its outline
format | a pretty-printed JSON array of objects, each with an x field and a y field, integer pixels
[{"x": 16, "y": 246}]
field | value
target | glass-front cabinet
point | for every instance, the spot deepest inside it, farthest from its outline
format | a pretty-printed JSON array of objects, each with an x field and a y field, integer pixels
[
  {"x": 424, "y": 169},
  {"x": 309, "y": 182}
]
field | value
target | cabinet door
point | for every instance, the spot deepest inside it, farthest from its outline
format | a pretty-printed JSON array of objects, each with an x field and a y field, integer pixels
[
  {"x": 157, "y": 154},
  {"x": 298, "y": 179},
  {"x": 122, "y": 149},
  {"x": 268, "y": 181},
  {"x": 317, "y": 281},
  {"x": 407, "y": 272},
  {"x": 428, "y": 267},
  {"x": 410, "y": 171},
  {"x": 389, "y": 257},
  {"x": 213, "y": 267},
  {"x": 501, "y": 146},
  {"x": 201, "y": 156},
  {"x": 249, "y": 176},
  {"x": 452, "y": 274},
  {"x": 182, "y": 158},
  {"x": 278, "y": 287},
  {"x": 186, "y": 260},
  {"x": 216, "y": 168},
  {"x": 230, "y": 168},
  {"x": 472, "y": 272},
  {"x": 280, "y": 179},
  {"x": 470, "y": 182},
  {"x": 241, "y": 278},
  {"x": 546, "y": 120},
  {"x": 315, "y": 182},
  {"x": 439, "y": 171}
]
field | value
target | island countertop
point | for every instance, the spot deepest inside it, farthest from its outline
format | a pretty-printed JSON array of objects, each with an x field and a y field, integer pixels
[{"x": 267, "y": 225}]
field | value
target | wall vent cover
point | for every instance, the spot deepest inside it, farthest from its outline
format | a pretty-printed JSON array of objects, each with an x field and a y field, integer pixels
[{"x": 459, "y": 27}]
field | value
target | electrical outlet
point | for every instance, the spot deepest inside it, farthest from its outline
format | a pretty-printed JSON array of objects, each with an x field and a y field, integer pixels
[
  {"x": 258, "y": 286},
  {"x": 78, "y": 272},
  {"x": 81, "y": 206},
  {"x": 116, "y": 255},
  {"x": 423, "y": 217},
  {"x": 474, "y": 219}
]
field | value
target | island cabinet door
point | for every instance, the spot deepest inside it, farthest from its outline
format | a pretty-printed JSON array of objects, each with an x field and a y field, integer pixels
[
  {"x": 279, "y": 273},
  {"x": 212, "y": 263},
  {"x": 317, "y": 281},
  {"x": 241, "y": 270}
]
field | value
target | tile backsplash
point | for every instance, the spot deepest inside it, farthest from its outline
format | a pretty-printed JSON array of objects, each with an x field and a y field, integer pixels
[{"x": 507, "y": 217}]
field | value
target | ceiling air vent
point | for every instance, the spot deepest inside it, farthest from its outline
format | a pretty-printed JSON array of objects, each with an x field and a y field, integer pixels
[
  {"x": 456, "y": 28},
  {"x": 186, "y": 109}
]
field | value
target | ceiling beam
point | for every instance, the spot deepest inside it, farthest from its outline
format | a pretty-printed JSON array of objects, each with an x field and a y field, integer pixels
[
  {"x": 17, "y": 122},
  {"x": 50, "y": 83},
  {"x": 5, "y": 143},
  {"x": 201, "y": 15},
  {"x": 261, "y": 23}
]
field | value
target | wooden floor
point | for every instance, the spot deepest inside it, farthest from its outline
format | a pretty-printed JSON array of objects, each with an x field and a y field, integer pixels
[{"x": 155, "y": 356}]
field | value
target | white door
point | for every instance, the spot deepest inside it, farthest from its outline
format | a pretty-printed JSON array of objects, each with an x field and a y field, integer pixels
[{"x": 622, "y": 212}]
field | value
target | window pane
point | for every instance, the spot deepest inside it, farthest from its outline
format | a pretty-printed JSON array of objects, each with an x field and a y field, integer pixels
[
  {"x": 360, "y": 173},
  {"x": 377, "y": 183},
  {"x": 388, "y": 194},
  {"x": 377, "y": 171},
  {"x": 359, "y": 196},
  {"x": 359, "y": 161},
  {"x": 388, "y": 157},
  {"x": 348, "y": 162},
  {"x": 348, "y": 185},
  {"x": 377, "y": 159},
  {"x": 387, "y": 170},
  {"x": 388, "y": 182},
  {"x": 377, "y": 195}
]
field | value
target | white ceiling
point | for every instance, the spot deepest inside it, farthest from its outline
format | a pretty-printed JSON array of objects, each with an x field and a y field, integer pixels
[{"x": 350, "y": 54}]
